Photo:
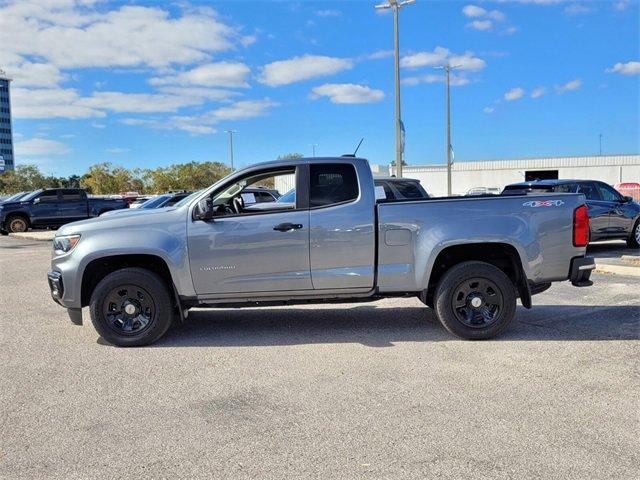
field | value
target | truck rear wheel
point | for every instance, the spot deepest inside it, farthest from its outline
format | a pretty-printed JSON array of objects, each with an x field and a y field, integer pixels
[
  {"x": 475, "y": 300},
  {"x": 131, "y": 307}
]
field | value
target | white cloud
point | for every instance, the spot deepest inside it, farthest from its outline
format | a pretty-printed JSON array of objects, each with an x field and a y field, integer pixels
[
  {"x": 622, "y": 5},
  {"x": 28, "y": 74},
  {"x": 569, "y": 86},
  {"x": 379, "y": 55},
  {"x": 474, "y": 11},
  {"x": 514, "y": 94},
  {"x": 577, "y": 9},
  {"x": 99, "y": 126},
  {"x": 488, "y": 110},
  {"x": 456, "y": 80},
  {"x": 482, "y": 25},
  {"x": 538, "y": 92},
  {"x": 484, "y": 19},
  {"x": 40, "y": 146},
  {"x": 220, "y": 74},
  {"x": 50, "y": 103},
  {"x": 441, "y": 56},
  {"x": 348, "y": 93},
  {"x": 205, "y": 123},
  {"x": 213, "y": 94},
  {"x": 137, "y": 102},
  {"x": 629, "y": 68},
  {"x": 285, "y": 72},
  {"x": 116, "y": 150},
  {"x": 75, "y": 35},
  {"x": 242, "y": 109},
  {"x": 330, "y": 12}
]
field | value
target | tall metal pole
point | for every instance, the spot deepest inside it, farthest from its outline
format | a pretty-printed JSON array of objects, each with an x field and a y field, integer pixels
[
  {"x": 231, "y": 132},
  {"x": 449, "y": 159},
  {"x": 396, "y": 48},
  {"x": 313, "y": 148},
  {"x": 396, "y": 5},
  {"x": 600, "y": 140}
]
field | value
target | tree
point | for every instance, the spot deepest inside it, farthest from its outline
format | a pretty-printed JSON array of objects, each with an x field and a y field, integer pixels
[{"x": 23, "y": 178}]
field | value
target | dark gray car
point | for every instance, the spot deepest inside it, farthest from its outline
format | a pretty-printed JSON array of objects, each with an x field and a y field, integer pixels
[{"x": 612, "y": 215}]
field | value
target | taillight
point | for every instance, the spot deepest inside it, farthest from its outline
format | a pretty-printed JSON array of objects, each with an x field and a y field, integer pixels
[{"x": 581, "y": 226}]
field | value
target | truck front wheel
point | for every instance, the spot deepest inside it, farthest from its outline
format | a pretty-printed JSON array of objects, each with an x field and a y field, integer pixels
[
  {"x": 17, "y": 224},
  {"x": 475, "y": 300},
  {"x": 131, "y": 307}
]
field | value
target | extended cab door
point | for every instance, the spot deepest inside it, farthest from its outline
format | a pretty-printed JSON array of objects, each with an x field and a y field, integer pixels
[
  {"x": 342, "y": 219},
  {"x": 73, "y": 205},
  {"x": 250, "y": 250}
]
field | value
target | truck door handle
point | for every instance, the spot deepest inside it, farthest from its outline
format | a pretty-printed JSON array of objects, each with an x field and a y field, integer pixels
[{"x": 285, "y": 227}]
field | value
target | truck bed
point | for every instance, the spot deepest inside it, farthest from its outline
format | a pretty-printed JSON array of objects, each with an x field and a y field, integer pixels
[{"x": 412, "y": 234}]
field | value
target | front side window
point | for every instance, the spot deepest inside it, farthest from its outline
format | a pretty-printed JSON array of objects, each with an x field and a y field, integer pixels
[
  {"x": 243, "y": 197},
  {"x": 50, "y": 196},
  {"x": 332, "y": 183}
]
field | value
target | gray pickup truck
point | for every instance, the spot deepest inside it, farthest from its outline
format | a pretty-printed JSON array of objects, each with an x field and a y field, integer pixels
[{"x": 467, "y": 258}]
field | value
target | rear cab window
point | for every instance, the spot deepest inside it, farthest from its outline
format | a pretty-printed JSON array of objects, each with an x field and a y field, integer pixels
[{"x": 332, "y": 184}]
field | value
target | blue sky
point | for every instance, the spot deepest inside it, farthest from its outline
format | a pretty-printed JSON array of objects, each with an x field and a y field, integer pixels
[{"x": 143, "y": 84}]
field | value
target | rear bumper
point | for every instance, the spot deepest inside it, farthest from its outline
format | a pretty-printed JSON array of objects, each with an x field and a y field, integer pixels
[{"x": 581, "y": 268}]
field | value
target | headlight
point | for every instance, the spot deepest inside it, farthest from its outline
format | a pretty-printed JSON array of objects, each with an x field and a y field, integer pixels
[{"x": 65, "y": 243}]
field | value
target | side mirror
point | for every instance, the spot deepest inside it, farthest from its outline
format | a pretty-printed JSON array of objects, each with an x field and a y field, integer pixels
[
  {"x": 627, "y": 199},
  {"x": 205, "y": 210}
]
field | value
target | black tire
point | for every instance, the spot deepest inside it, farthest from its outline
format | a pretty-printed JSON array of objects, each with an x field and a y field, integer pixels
[
  {"x": 16, "y": 224},
  {"x": 131, "y": 285},
  {"x": 4, "y": 233},
  {"x": 634, "y": 239},
  {"x": 454, "y": 307}
]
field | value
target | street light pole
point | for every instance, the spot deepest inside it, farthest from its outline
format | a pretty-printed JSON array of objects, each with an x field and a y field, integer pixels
[
  {"x": 313, "y": 148},
  {"x": 231, "y": 132},
  {"x": 600, "y": 141},
  {"x": 447, "y": 69},
  {"x": 395, "y": 5}
]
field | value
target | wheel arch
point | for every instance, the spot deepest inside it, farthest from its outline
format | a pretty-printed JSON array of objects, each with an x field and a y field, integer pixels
[
  {"x": 499, "y": 254},
  {"x": 100, "y": 267}
]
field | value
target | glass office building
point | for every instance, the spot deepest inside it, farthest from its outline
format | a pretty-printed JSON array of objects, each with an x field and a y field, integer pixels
[{"x": 6, "y": 138}]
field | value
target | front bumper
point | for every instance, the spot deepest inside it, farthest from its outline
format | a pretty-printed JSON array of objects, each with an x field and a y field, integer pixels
[
  {"x": 56, "y": 286},
  {"x": 581, "y": 268}
]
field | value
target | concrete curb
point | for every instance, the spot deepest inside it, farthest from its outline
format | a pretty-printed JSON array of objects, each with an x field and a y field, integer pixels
[
  {"x": 45, "y": 236},
  {"x": 626, "y": 270}
]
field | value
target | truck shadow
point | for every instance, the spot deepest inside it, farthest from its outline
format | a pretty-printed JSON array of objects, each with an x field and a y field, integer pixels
[{"x": 383, "y": 327}]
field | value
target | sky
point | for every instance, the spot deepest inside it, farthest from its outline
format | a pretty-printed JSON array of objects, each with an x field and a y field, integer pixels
[{"x": 147, "y": 84}]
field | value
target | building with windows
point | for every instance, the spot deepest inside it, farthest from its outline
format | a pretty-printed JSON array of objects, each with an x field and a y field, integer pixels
[
  {"x": 490, "y": 176},
  {"x": 6, "y": 137}
]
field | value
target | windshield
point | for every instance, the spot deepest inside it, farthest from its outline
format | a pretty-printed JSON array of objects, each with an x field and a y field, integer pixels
[
  {"x": 187, "y": 199},
  {"x": 288, "y": 197},
  {"x": 15, "y": 197},
  {"x": 32, "y": 195},
  {"x": 155, "y": 202}
]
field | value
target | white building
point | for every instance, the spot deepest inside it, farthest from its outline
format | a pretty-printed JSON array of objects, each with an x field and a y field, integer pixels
[{"x": 611, "y": 169}]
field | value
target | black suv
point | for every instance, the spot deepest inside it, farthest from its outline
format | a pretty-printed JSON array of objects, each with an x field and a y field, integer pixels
[{"x": 611, "y": 215}]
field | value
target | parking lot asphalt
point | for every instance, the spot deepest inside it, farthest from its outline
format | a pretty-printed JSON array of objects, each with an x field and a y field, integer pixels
[{"x": 375, "y": 390}]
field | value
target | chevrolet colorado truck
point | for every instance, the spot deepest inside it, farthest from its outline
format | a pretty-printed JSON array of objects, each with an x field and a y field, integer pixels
[
  {"x": 52, "y": 207},
  {"x": 467, "y": 258}
]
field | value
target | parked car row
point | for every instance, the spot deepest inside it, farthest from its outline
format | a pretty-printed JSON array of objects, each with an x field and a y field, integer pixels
[{"x": 613, "y": 215}]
